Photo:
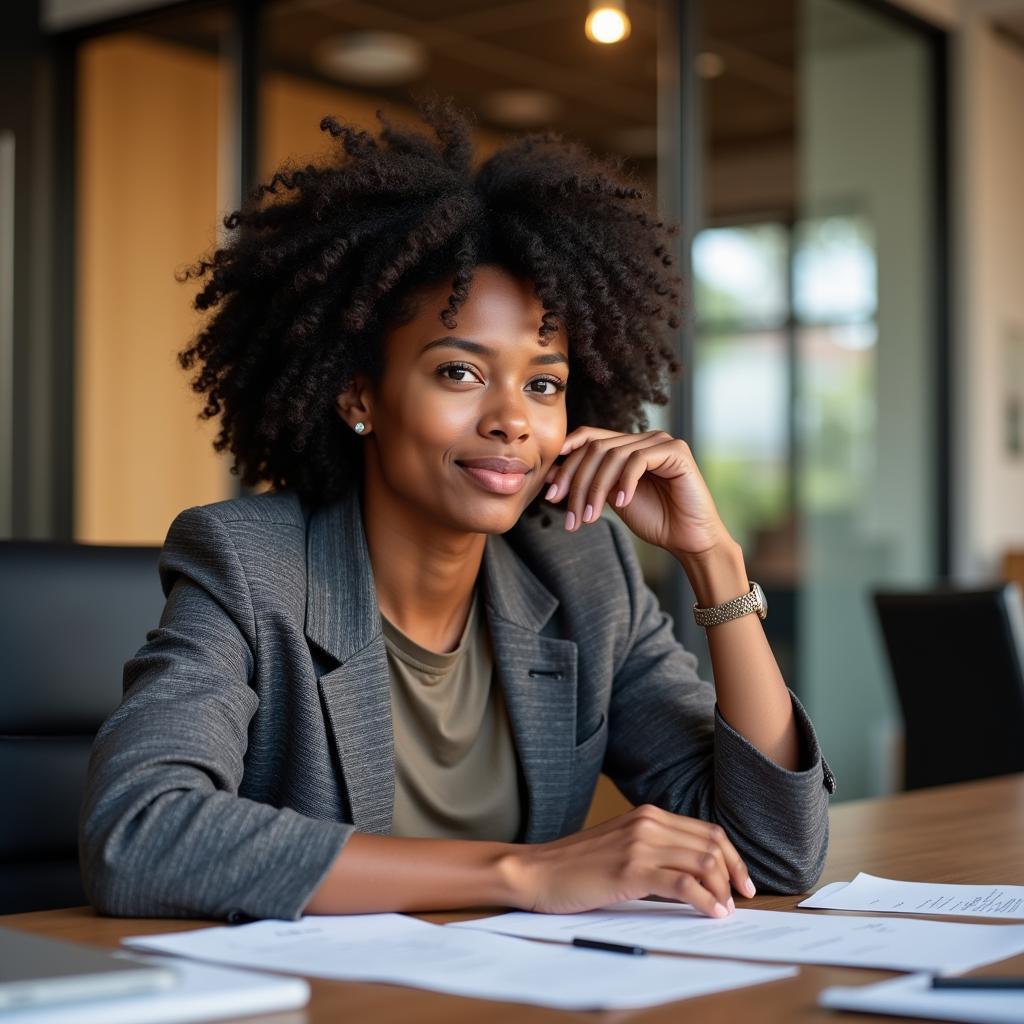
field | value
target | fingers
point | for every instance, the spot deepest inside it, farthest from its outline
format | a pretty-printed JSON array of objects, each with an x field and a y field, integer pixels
[
  {"x": 703, "y": 865},
  {"x": 677, "y": 885},
  {"x": 643, "y": 853},
  {"x": 593, "y": 467},
  {"x": 605, "y": 473},
  {"x": 582, "y": 435},
  {"x": 660, "y": 829},
  {"x": 716, "y": 838},
  {"x": 678, "y": 830},
  {"x": 562, "y": 475}
]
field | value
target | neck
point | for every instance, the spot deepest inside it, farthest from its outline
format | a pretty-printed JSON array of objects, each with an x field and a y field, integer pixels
[{"x": 424, "y": 574}]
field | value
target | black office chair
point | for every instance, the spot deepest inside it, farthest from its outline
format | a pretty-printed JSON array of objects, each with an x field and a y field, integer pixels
[
  {"x": 957, "y": 660},
  {"x": 70, "y": 616}
]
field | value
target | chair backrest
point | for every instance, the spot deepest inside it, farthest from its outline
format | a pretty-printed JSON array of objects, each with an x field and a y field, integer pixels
[
  {"x": 70, "y": 616},
  {"x": 957, "y": 660}
]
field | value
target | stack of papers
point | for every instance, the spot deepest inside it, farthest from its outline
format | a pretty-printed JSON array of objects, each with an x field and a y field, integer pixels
[
  {"x": 405, "y": 951},
  {"x": 486, "y": 958},
  {"x": 202, "y": 993},
  {"x": 867, "y": 892},
  {"x": 914, "y": 997},
  {"x": 785, "y": 937}
]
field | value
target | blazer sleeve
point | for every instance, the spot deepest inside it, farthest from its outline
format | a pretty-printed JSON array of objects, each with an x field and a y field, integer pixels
[
  {"x": 669, "y": 746},
  {"x": 163, "y": 831}
]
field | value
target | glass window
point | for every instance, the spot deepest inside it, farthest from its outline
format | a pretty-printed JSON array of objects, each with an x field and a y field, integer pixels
[
  {"x": 741, "y": 397},
  {"x": 820, "y": 201},
  {"x": 740, "y": 274},
  {"x": 835, "y": 274}
]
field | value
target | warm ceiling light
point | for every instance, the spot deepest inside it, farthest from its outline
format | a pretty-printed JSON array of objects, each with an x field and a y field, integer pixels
[
  {"x": 709, "y": 65},
  {"x": 521, "y": 108},
  {"x": 371, "y": 58},
  {"x": 607, "y": 21}
]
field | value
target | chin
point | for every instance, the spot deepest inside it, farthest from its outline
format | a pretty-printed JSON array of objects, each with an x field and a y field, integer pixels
[{"x": 481, "y": 519}]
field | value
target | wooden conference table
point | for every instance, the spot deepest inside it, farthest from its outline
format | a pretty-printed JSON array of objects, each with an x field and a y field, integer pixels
[{"x": 967, "y": 833}]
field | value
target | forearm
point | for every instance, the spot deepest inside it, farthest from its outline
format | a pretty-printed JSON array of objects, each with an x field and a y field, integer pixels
[
  {"x": 377, "y": 874},
  {"x": 751, "y": 693}
]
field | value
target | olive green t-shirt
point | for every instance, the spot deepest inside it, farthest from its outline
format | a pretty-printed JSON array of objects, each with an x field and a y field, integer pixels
[{"x": 456, "y": 774}]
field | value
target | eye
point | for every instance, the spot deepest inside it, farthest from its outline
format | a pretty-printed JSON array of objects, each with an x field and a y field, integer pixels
[
  {"x": 449, "y": 370},
  {"x": 464, "y": 373},
  {"x": 553, "y": 383}
]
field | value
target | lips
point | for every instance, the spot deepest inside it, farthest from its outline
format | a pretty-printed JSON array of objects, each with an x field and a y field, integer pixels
[
  {"x": 496, "y": 475},
  {"x": 497, "y": 465}
]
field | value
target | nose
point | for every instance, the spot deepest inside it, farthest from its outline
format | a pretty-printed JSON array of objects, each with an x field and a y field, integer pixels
[{"x": 505, "y": 416}]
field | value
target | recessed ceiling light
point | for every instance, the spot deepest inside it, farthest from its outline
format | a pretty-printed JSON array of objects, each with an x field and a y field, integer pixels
[
  {"x": 709, "y": 65},
  {"x": 607, "y": 21},
  {"x": 637, "y": 141},
  {"x": 521, "y": 108},
  {"x": 371, "y": 58}
]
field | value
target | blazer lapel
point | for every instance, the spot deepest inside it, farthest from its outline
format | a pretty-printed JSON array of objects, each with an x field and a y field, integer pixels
[
  {"x": 537, "y": 675},
  {"x": 342, "y": 618}
]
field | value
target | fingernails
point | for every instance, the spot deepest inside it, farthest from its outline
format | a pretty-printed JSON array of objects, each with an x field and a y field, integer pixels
[
  {"x": 588, "y": 513},
  {"x": 719, "y": 911},
  {"x": 619, "y": 499},
  {"x": 570, "y": 520},
  {"x": 748, "y": 888},
  {"x": 552, "y": 491},
  {"x": 731, "y": 904}
]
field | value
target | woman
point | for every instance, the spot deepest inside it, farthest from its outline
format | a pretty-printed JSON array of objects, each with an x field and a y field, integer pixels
[{"x": 390, "y": 683}]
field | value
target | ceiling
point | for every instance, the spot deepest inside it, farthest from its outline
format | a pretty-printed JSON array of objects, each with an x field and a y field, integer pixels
[
  {"x": 476, "y": 50},
  {"x": 605, "y": 96},
  {"x": 1011, "y": 25},
  {"x": 605, "y": 92}
]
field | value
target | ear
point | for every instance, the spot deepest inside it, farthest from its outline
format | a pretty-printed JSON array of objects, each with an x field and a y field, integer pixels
[{"x": 355, "y": 404}]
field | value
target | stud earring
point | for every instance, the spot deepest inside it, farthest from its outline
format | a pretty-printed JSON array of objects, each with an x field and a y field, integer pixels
[{"x": 359, "y": 427}]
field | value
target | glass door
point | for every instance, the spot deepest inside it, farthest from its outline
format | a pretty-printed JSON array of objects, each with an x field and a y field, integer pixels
[{"x": 818, "y": 340}]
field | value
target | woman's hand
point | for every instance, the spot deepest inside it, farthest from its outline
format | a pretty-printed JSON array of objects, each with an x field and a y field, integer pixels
[
  {"x": 651, "y": 480},
  {"x": 646, "y": 852}
]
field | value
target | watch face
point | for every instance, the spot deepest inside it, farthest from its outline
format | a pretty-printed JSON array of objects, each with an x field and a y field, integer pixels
[{"x": 762, "y": 601}]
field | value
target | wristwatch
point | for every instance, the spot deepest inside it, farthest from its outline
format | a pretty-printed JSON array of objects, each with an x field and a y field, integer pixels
[{"x": 752, "y": 601}]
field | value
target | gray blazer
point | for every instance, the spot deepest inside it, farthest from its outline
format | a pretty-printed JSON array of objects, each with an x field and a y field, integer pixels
[{"x": 254, "y": 734}]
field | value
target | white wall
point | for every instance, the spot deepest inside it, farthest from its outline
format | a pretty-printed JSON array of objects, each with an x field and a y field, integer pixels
[
  {"x": 989, "y": 510},
  {"x": 987, "y": 163}
]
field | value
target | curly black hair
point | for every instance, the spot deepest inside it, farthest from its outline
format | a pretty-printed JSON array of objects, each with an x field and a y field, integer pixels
[{"x": 303, "y": 294}]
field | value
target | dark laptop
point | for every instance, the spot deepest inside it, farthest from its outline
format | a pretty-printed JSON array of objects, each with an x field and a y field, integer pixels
[{"x": 38, "y": 972}]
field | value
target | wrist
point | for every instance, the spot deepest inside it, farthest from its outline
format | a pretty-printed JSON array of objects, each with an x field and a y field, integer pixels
[
  {"x": 716, "y": 575},
  {"x": 380, "y": 874},
  {"x": 517, "y": 873}
]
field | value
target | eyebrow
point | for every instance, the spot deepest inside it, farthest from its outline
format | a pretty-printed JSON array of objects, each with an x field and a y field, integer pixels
[{"x": 483, "y": 350}]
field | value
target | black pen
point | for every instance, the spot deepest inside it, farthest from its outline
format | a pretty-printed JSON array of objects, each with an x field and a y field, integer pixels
[
  {"x": 610, "y": 947},
  {"x": 976, "y": 983}
]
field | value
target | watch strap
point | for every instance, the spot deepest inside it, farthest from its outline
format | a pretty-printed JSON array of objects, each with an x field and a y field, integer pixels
[{"x": 735, "y": 608}]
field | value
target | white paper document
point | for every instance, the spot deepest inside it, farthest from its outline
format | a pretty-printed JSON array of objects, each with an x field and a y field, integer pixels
[
  {"x": 202, "y": 993},
  {"x": 405, "y": 951},
  {"x": 914, "y": 997},
  {"x": 894, "y": 944},
  {"x": 884, "y": 895}
]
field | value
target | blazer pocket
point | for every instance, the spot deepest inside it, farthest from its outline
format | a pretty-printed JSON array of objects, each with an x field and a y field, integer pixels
[
  {"x": 587, "y": 759},
  {"x": 585, "y": 745}
]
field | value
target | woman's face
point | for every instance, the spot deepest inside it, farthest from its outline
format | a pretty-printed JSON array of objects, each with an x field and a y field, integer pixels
[{"x": 465, "y": 423}]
